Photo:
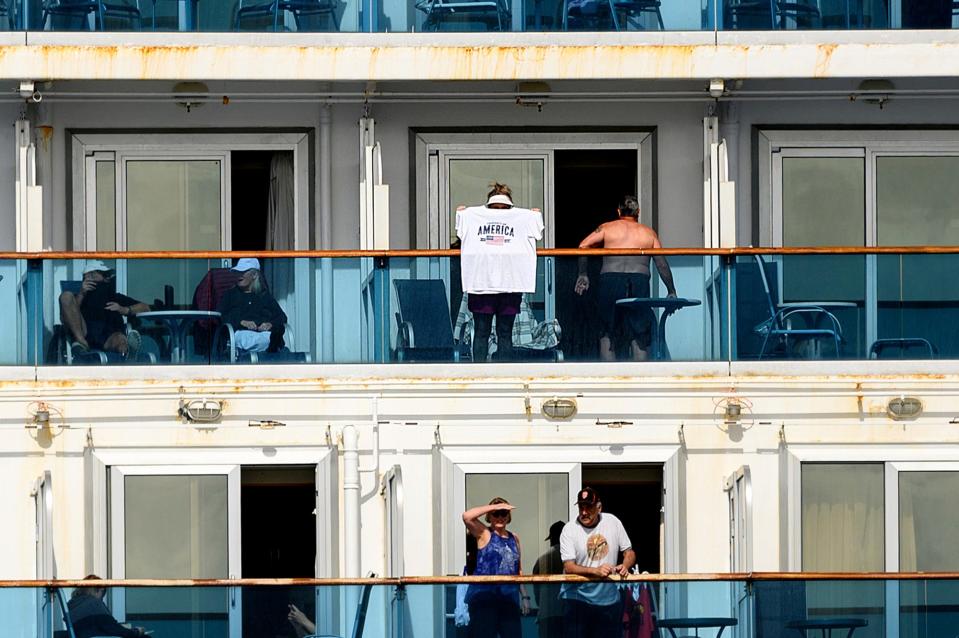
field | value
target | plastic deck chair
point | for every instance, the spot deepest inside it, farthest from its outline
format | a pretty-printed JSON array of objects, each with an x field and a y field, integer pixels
[
  {"x": 359, "y": 620},
  {"x": 778, "y": 327},
  {"x": 487, "y": 12},
  {"x": 296, "y": 8},
  {"x": 64, "y": 612},
  {"x": 81, "y": 9},
  {"x": 425, "y": 329},
  {"x": 879, "y": 348},
  {"x": 63, "y": 342}
]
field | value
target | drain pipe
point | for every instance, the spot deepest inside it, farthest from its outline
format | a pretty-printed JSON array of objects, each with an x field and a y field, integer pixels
[
  {"x": 351, "y": 501},
  {"x": 352, "y": 486}
]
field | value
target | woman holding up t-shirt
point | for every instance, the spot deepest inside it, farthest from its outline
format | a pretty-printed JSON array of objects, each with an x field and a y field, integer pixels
[{"x": 498, "y": 264}]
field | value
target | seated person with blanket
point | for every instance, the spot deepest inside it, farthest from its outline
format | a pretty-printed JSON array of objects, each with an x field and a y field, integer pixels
[{"x": 256, "y": 317}]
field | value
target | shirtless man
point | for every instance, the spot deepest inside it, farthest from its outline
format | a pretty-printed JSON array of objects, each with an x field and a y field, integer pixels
[{"x": 624, "y": 276}]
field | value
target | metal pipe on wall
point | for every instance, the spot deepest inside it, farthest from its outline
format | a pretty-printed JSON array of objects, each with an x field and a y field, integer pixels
[{"x": 351, "y": 502}]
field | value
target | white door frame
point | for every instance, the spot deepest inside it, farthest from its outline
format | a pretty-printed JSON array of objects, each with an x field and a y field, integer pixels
[
  {"x": 123, "y": 156},
  {"x": 394, "y": 495},
  {"x": 429, "y": 144},
  {"x": 895, "y": 459},
  {"x": 776, "y": 186},
  {"x": 456, "y": 462},
  {"x": 870, "y": 145},
  {"x": 118, "y": 530},
  {"x": 324, "y": 458},
  {"x": 445, "y": 156},
  {"x": 201, "y": 144},
  {"x": 910, "y": 456},
  {"x": 824, "y": 142}
]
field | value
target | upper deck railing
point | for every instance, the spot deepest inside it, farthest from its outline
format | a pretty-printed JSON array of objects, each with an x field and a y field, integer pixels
[
  {"x": 743, "y": 605},
  {"x": 397, "y": 16},
  {"x": 408, "y": 307}
]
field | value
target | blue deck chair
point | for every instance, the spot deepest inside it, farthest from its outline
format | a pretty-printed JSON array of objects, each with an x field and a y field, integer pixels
[
  {"x": 80, "y": 10},
  {"x": 359, "y": 620},
  {"x": 777, "y": 330},
  {"x": 62, "y": 342},
  {"x": 425, "y": 330},
  {"x": 904, "y": 348},
  {"x": 489, "y": 13},
  {"x": 297, "y": 8}
]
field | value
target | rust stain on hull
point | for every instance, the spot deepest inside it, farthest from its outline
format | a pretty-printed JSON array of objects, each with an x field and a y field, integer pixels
[{"x": 652, "y": 61}]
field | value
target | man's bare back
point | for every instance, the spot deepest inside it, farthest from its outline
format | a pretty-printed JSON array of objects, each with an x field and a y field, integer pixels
[{"x": 624, "y": 232}]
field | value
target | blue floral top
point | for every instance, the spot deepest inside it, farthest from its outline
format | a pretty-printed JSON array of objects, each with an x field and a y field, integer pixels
[{"x": 500, "y": 557}]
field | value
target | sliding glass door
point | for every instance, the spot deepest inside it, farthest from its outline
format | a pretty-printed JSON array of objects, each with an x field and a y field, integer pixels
[
  {"x": 870, "y": 189},
  {"x": 873, "y": 517},
  {"x": 175, "y": 522}
]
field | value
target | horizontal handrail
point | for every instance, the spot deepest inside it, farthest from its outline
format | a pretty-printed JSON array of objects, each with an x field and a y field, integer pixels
[
  {"x": 543, "y": 252},
  {"x": 455, "y": 580}
]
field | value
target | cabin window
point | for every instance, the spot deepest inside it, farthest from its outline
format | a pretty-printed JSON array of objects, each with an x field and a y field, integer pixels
[{"x": 842, "y": 517}]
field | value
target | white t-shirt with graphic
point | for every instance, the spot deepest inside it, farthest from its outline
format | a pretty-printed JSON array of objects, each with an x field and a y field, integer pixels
[
  {"x": 498, "y": 248},
  {"x": 591, "y": 547}
]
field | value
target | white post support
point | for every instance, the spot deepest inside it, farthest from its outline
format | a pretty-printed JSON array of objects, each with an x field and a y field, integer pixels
[
  {"x": 351, "y": 502},
  {"x": 710, "y": 182},
  {"x": 374, "y": 194},
  {"x": 29, "y": 196}
]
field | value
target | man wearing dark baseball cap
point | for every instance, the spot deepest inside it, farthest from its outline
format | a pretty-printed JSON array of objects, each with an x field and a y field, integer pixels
[
  {"x": 590, "y": 546},
  {"x": 549, "y": 607}
]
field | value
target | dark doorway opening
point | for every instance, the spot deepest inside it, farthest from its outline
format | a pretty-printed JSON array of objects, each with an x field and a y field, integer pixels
[
  {"x": 250, "y": 196},
  {"x": 589, "y": 184},
  {"x": 278, "y": 532},
  {"x": 634, "y": 494}
]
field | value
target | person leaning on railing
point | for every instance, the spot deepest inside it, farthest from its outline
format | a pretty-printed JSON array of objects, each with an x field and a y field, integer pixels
[
  {"x": 90, "y": 616},
  {"x": 624, "y": 276}
]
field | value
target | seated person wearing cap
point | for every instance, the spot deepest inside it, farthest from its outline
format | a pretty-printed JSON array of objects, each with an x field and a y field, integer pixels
[
  {"x": 94, "y": 315},
  {"x": 256, "y": 317}
]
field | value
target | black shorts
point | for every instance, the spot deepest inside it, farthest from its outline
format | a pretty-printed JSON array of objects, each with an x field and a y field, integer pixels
[
  {"x": 99, "y": 331},
  {"x": 636, "y": 323}
]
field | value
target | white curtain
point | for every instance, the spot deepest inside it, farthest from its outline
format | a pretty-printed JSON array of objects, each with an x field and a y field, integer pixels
[
  {"x": 280, "y": 235},
  {"x": 842, "y": 517},
  {"x": 279, "y": 222}
]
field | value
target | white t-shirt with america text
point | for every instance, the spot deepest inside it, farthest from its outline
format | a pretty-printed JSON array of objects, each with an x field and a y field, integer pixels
[
  {"x": 498, "y": 248},
  {"x": 592, "y": 547}
]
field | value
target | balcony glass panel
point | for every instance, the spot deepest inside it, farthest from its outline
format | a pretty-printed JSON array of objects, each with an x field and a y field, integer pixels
[
  {"x": 390, "y": 16},
  {"x": 184, "y": 15},
  {"x": 800, "y": 306},
  {"x": 403, "y": 309},
  {"x": 21, "y": 319},
  {"x": 747, "y": 608},
  {"x": 917, "y": 305}
]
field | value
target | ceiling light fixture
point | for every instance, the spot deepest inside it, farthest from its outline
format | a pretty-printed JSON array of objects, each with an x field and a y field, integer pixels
[{"x": 190, "y": 95}]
